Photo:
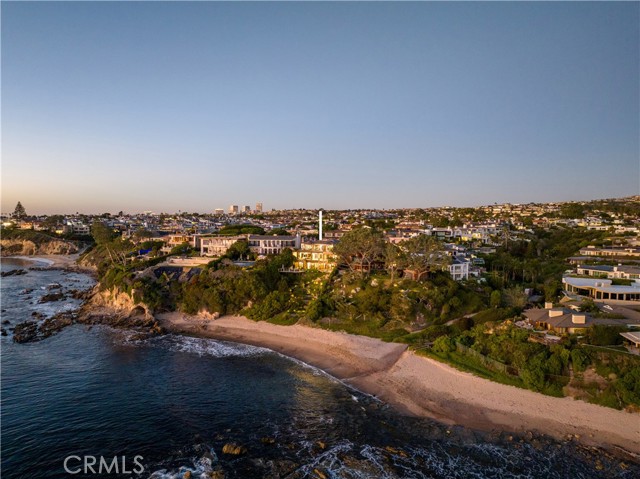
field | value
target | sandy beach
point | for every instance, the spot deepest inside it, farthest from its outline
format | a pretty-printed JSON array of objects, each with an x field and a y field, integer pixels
[
  {"x": 424, "y": 387},
  {"x": 61, "y": 261}
]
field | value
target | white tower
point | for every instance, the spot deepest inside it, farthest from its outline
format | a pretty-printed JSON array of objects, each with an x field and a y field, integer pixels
[{"x": 320, "y": 225}]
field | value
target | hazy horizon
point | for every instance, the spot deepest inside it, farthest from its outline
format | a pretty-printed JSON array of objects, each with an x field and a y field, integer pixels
[
  {"x": 195, "y": 106},
  {"x": 293, "y": 208}
]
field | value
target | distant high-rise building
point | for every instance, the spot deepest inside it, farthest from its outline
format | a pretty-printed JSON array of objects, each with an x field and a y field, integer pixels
[
  {"x": 247, "y": 209},
  {"x": 258, "y": 207},
  {"x": 219, "y": 211},
  {"x": 233, "y": 209}
]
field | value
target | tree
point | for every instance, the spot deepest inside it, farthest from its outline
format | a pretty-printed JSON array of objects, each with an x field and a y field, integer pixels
[
  {"x": 496, "y": 299},
  {"x": 393, "y": 259},
  {"x": 101, "y": 233},
  {"x": 359, "y": 248},
  {"x": 515, "y": 297},
  {"x": 552, "y": 288},
  {"x": 19, "y": 212},
  {"x": 424, "y": 254},
  {"x": 141, "y": 234},
  {"x": 239, "y": 249},
  {"x": 53, "y": 221},
  {"x": 278, "y": 232}
]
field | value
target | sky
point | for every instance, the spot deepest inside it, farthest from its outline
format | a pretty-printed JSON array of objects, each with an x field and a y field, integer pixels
[{"x": 172, "y": 106}]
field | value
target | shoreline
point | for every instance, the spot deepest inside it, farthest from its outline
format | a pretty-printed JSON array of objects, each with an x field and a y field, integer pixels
[
  {"x": 420, "y": 386},
  {"x": 67, "y": 262}
]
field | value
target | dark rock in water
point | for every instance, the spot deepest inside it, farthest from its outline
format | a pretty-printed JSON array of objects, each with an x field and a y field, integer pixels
[
  {"x": 3, "y": 332},
  {"x": 6, "y": 321},
  {"x": 281, "y": 468},
  {"x": 26, "y": 291},
  {"x": 51, "y": 326},
  {"x": 77, "y": 294},
  {"x": 51, "y": 297},
  {"x": 54, "y": 286},
  {"x": 13, "y": 272},
  {"x": 267, "y": 440},
  {"x": 25, "y": 332},
  {"x": 30, "y": 331},
  {"x": 37, "y": 315},
  {"x": 233, "y": 449}
]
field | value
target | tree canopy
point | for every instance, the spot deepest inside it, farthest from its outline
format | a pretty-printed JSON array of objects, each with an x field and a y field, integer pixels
[
  {"x": 359, "y": 248},
  {"x": 101, "y": 233},
  {"x": 19, "y": 211},
  {"x": 424, "y": 254}
]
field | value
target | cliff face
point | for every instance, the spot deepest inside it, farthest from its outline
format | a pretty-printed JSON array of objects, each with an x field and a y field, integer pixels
[
  {"x": 26, "y": 247},
  {"x": 117, "y": 309},
  {"x": 118, "y": 303}
]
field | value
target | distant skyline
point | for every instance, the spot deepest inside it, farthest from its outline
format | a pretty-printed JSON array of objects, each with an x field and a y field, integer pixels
[{"x": 168, "y": 106}]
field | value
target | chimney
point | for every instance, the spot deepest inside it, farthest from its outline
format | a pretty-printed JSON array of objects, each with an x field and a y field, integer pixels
[
  {"x": 320, "y": 225},
  {"x": 548, "y": 305},
  {"x": 579, "y": 318},
  {"x": 554, "y": 313}
]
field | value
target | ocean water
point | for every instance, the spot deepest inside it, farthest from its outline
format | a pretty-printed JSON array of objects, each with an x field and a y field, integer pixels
[{"x": 176, "y": 401}]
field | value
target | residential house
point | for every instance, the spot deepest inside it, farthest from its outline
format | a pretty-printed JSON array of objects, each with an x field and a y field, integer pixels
[
  {"x": 563, "y": 320},
  {"x": 603, "y": 290},
  {"x": 316, "y": 255},
  {"x": 263, "y": 245},
  {"x": 217, "y": 245}
]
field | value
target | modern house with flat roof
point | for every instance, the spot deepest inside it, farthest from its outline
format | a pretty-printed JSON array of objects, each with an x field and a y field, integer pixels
[
  {"x": 263, "y": 245},
  {"x": 615, "y": 252},
  {"x": 606, "y": 271},
  {"x": 603, "y": 290},
  {"x": 217, "y": 245}
]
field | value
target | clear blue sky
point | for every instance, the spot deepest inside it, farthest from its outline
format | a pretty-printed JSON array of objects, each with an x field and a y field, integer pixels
[{"x": 193, "y": 106}]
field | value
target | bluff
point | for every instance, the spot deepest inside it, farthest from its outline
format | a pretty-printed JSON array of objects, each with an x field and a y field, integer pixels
[{"x": 29, "y": 243}]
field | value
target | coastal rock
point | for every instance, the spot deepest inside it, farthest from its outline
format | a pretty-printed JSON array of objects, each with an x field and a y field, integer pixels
[
  {"x": 281, "y": 468},
  {"x": 51, "y": 297},
  {"x": 6, "y": 321},
  {"x": 80, "y": 294},
  {"x": 319, "y": 474},
  {"x": 13, "y": 272},
  {"x": 30, "y": 331},
  {"x": 25, "y": 332},
  {"x": 234, "y": 449},
  {"x": 3, "y": 332}
]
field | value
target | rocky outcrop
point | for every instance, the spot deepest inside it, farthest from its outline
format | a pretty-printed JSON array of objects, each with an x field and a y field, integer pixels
[
  {"x": 13, "y": 272},
  {"x": 47, "y": 298},
  {"x": 29, "y": 331},
  {"x": 27, "y": 247},
  {"x": 234, "y": 449},
  {"x": 117, "y": 309},
  {"x": 113, "y": 308}
]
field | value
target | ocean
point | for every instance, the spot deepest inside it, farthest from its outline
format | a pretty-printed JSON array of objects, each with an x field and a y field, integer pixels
[{"x": 166, "y": 407}]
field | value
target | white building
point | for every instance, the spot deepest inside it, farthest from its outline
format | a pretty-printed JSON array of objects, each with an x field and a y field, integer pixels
[
  {"x": 217, "y": 245},
  {"x": 459, "y": 269},
  {"x": 263, "y": 245}
]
